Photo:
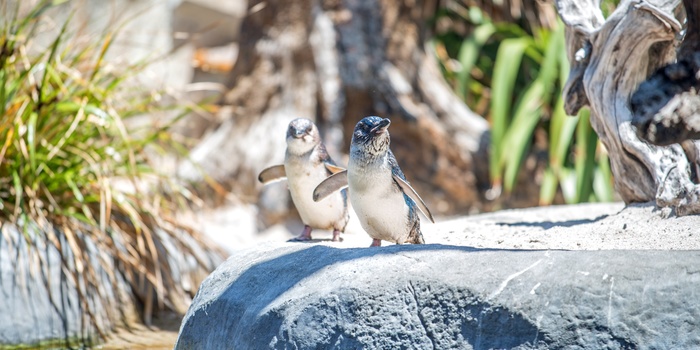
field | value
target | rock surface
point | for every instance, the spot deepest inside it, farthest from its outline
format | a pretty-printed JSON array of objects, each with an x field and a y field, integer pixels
[
  {"x": 41, "y": 305},
  {"x": 450, "y": 294},
  {"x": 38, "y": 300}
]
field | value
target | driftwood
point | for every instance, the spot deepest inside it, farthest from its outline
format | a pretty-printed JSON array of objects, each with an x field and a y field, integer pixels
[
  {"x": 337, "y": 62},
  {"x": 609, "y": 59}
]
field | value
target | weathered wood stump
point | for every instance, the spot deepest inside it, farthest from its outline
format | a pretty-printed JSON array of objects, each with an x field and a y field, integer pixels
[{"x": 610, "y": 58}]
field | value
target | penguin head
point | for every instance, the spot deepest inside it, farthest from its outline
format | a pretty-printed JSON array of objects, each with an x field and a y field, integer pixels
[
  {"x": 371, "y": 136},
  {"x": 302, "y": 136}
]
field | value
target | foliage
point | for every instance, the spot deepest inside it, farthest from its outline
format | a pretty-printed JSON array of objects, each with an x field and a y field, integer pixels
[
  {"x": 515, "y": 78},
  {"x": 68, "y": 159}
]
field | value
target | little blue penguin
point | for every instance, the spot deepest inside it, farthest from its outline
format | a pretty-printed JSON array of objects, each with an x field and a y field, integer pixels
[
  {"x": 385, "y": 203},
  {"x": 306, "y": 164}
]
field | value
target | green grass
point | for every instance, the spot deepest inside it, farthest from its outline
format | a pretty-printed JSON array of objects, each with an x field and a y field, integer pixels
[
  {"x": 65, "y": 146},
  {"x": 514, "y": 78}
]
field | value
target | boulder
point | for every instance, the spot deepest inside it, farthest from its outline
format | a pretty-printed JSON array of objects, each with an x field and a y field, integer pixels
[{"x": 449, "y": 295}]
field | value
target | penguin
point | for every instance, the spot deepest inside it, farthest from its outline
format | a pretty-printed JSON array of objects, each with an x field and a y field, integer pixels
[
  {"x": 383, "y": 200},
  {"x": 306, "y": 164}
]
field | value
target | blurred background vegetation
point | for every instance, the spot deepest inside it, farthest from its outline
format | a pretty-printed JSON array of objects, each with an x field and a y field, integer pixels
[{"x": 513, "y": 73}]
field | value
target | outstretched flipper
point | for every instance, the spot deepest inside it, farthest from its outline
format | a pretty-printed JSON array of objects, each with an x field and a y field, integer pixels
[
  {"x": 334, "y": 169},
  {"x": 331, "y": 184},
  {"x": 272, "y": 174},
  {"x": 411, "y": 193}
]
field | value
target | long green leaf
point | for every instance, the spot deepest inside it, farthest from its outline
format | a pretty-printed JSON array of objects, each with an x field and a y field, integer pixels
[
  {"x": 100, "y": 58},
  {"x": 568, "y": 186},
  {"x": 561, "y": 135},
  {"x": 52, "y": 54},
  {"x": 603, "y": 180},
  {"x": 505, "y": 73},
  {"x": 529, "y": 112},
  {"x": 548, "y": 189},
  {"x": 3, "y": 92},
  {"x": 527, "y": 116},
  {"x": 469, "y": 53},
  {"x": 550, "y": 67},
  {"x": 17, "y": 182},
  {"x": 76, "y": 191},
  {"x": 586, "y": 141},
  {"x": 31, "y": 139}
]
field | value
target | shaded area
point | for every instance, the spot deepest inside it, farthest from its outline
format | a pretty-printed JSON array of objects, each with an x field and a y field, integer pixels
[
  {"x": 549, "y": 224},
  {"x": 426, "y": 312},
  {"x": 666, "y": 106}
]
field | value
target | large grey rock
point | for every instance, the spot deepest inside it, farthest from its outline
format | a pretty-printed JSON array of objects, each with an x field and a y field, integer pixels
[
  {"x": 286, "y": 296},
  {"x": 436, "y": 296}
]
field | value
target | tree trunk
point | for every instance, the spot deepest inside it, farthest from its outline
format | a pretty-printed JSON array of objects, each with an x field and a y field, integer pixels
[
  {"x": 337, "y": 61},
  {"x": 609, "y": 59}
]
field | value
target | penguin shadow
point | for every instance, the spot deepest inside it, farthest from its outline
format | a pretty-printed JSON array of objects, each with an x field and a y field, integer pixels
[
  {"x": 313, "y": 240},
  {"x": 550, "y": 224}
]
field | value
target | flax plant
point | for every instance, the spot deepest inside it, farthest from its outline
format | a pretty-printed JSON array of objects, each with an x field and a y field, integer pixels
[
  {"x": 71, "y": 166},
  {"x": 514, "y": 78}
]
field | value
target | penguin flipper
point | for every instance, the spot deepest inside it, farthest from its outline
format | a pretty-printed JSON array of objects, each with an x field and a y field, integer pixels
[
  {"x": 334, "y": 169},
  {"x": 272, "y": 174},
  {"x": 411, "y": 193},
  {"x": 331, "y": 184}
]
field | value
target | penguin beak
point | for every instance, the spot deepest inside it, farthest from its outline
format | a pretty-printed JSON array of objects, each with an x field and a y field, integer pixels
[
  {"x": 297, "y": 134},
  {"x": 381, "y": 126}
]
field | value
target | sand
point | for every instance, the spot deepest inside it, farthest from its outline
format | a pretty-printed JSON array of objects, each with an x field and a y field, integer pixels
[{"x": 571, "y": 227}]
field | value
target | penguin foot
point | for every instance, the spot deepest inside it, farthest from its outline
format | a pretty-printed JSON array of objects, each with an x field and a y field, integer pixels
[
  {"x": 336, "y": 236},
  {"x": 376, "y": 243},
  {"x": 305, "y": 235}
]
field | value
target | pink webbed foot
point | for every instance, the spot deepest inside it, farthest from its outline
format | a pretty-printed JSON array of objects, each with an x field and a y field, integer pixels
[
  {"x": 376, "y": 243},
  {"x": 336, "y": 236},
  {"x": 305, "y": 235}
]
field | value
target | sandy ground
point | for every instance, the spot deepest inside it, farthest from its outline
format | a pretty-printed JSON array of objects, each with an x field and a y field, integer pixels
[
  {"x": 579, "y": 227},
  {"x": 161, "y": 335}
]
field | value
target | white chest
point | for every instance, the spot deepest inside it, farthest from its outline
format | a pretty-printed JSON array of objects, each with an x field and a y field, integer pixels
[
  {"x": 303, "y": 177},
  {"x": 378, "y": 202}
]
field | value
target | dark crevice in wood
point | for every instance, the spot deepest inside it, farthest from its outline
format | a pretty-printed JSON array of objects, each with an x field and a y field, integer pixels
[{"x": 666, "y": 106}]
